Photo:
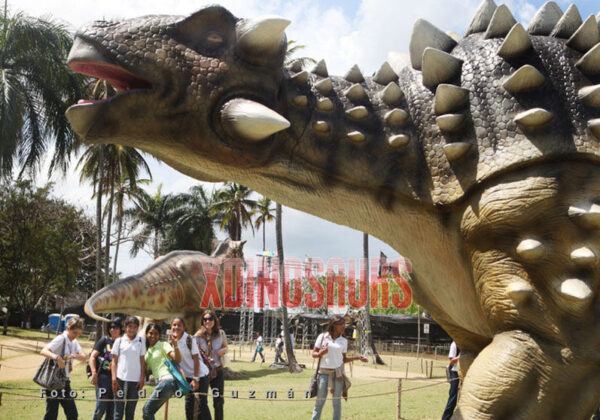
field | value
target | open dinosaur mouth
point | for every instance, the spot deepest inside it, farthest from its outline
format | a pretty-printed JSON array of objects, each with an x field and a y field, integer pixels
[{"x": 118, "y": 77}]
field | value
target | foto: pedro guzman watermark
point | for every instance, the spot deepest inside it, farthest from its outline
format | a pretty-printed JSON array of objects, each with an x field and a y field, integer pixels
[{"x": 312, "y": 284}]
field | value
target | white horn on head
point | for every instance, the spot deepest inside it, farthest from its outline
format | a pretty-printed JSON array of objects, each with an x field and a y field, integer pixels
[
  {"x": 251, "y": 120},
  {"x": 261, "y": 37}
]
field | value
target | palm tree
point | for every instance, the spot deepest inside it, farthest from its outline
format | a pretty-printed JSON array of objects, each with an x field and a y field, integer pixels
[
  {"x": 264, "y": 212},
  {"x": 234, "y": 208},
  {"x": 153, "y": 215},
  {"x": 36, "y": 86},
  {"x": 192, "y": 227},
  {"x": 293, "y": 365},
  {"x": 293, "y": 48}
]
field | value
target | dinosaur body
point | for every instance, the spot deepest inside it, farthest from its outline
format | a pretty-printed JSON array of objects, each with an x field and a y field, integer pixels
[
  {"x": 173, "y": 285},
  {"x": 479, "y": 163}
]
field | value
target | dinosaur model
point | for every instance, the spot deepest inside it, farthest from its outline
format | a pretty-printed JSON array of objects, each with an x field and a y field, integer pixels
[
  {"x": 173, "y": 285},
  {"x": 479, "y": 162}
]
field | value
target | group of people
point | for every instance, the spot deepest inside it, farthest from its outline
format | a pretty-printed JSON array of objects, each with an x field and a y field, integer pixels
[
  {"x": 279, "y": 346},
  {"x": 121, "y": 361}
]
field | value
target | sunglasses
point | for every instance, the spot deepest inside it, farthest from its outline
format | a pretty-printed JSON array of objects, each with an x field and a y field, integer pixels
[{"x": 208, "y": 319}]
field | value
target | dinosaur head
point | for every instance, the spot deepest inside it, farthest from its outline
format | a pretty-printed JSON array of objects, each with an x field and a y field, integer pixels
[{"x": 204, "y": 85}]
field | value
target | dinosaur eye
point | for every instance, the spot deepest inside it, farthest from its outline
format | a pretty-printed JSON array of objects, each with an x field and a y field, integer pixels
[{"x": 214, "y": 38}]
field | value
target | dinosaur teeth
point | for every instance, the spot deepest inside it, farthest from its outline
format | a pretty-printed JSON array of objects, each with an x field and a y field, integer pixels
[
  {"x": 396, "y": 117},
  {"x": 300, "y": 78},
  {"x": 321, "y": 127},
  {"x": 516, "y": 43},
  {"x": 568, "y": 23},
  {"x": 530, "y": 250},
  {"x": 545, "y": 19},
  {"x": 398, "y": 140},
  {"x": 524, "y": 79},
  {"x": 261, "y": 37},
  {"x": 501, "y": 23},
  {"x": 325, "y": 104},
  {"x": 439, "y": 67},
  {"x": 590, "y": 62},
  {"x": 300, "y": 100},
  {"x": 583, "y": 257},
  {"x": 358, "y": 113},
  {"x": 385, "y": 74},
  {"x": 590, "y": 95},
  {"x": 450, "y": 122},
  {"x": 320, "y": 69},
  {"x": 250, "y": 120},
  {"x": 534, "y": 118},
  {"x": 391, "y": 93},
  {"x": 449, "y": 98},
  {"x": 586, "y": 36},
  {"x": 575, "y": 289},
  {"x": 482, "y": 17},
  {"x": 425, "y": 35},
  {"x": 355, "y": 92},
  {"x": 356, "y": 136},
  {"x": 354, "y": 75},
  {"x": 455, "y": 151},
  {"x": 594, "y": 126},
  {"x": 519, "y": 291},
  {"x": 324, "y": 86}
]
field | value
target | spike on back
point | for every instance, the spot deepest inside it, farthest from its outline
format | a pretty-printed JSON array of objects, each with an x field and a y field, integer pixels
[
  {"x": 482, "y": 17},
  {"x": 354, "y": 75},
  {"x": 545, "y": 19},
  {"x": 385, "y": 74},
  {"x": 590, "y": 62},
  {"x": 568, "y": 23},
  {"x": 586, "y": 36},
  {"x": 501, "y": 23},
  {"x": 516, "y": 43},
  {"x": 424, "y": 36},
  {"x": 320, "y": 69},
  {"x": 439, "y": 67}
]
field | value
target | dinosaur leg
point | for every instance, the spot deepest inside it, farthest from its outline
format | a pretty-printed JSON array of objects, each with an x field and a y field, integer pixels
[{"x": 533, "y": 254}]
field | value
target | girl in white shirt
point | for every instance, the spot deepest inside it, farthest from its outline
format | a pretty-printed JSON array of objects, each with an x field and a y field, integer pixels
[
  {"x": 64, "y": 349},
  {"x": 194, "y": 369},
  {"x": 128, "y": 369},
  {"x": 331, "y": 347}
]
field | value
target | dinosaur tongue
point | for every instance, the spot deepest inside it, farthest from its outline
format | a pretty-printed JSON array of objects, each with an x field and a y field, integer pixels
[{"x": 120, "y": 78}]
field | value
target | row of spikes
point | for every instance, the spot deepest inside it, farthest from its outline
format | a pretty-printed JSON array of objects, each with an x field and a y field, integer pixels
[
  {"x": 430, "y": 47},
  {"x": 390, "y": 95}
]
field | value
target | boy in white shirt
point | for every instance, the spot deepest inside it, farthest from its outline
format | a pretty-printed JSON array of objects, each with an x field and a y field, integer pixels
[
  {"x": 128, "y": 369},
  {"x": 64, "y": 349}
]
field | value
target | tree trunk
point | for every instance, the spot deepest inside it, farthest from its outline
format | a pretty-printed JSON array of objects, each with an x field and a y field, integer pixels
[
  {"x": 367, "y": 346},
  {"x": 111, "y": 179},
  {"x": 98, "y": 184},
  {"x": 119, "y": 228},
  {"x": 293, "y": 365}
]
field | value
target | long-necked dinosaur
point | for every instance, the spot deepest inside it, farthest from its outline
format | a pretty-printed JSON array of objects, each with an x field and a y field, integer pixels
[{"x": 479, "y": 162}]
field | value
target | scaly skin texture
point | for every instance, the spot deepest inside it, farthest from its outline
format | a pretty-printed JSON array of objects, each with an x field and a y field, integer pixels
[
  {"x": 479, "y": 163},
  {"x": 173, "y": 285}
]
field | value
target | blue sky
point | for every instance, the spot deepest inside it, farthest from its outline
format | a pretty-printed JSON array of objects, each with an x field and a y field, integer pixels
[{"x": 344, "y": 32}]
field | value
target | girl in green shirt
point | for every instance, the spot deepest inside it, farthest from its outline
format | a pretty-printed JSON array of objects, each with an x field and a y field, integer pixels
[{"x": 156, "y": 354}]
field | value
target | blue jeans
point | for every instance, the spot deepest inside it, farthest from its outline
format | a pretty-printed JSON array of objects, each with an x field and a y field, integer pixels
[
  {"x": 164, "y": 390},
  {"x": 68, "y": 404},
  {"x": 452, "y": 396},
  {"x": 259, "y": 352},
  {"x": 104, "y": 407},
  {"x": 130, "y": 392},
  {"x": 338, "y": 387}
]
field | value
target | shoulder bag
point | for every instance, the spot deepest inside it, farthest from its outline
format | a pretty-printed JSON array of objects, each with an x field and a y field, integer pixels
[
  {"x": 177, "y": 373},
  {"x": 313, "y": 388},
  {"x": 49, "y": 375}
]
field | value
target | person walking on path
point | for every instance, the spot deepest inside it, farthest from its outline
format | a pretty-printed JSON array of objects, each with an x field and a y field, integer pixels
[
  {"x": 331, "y": 348},
  {"x": 101, "y": 378},
  {"x": 279, "y": 349},
  {"x": 128, "y": 369},
  {"x": 453, "y": 356},
  {"x": 259, "y": 347},
  {"x": 64, "y": 348}
]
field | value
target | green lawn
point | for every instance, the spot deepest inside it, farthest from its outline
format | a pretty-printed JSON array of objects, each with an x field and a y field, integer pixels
[{"x": 420, "y": 399}]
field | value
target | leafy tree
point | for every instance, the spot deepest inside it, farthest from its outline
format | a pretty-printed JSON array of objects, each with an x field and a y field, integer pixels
[
  {"x": 44, "y": 242},
  {"x": 192, "y": 224},
  {"x": 292, "y": 48},
  {"x": 36, "y": 86},
  {"x": 234, "y": 208},
  {"x": 264, "y": 212}
]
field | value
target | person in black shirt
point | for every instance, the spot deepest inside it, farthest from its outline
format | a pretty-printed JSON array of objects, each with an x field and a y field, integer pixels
[{"x": 99, "y": 364}]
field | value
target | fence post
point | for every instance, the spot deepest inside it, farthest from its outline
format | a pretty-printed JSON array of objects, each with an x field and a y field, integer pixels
[
  {"x": 391, "y": 364},
  {"x": 406, "y": 375},
  {"x": 399, "y": 400},
  {"x": 435, "y": 353},
  {"x": 422, "y": 366}
]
